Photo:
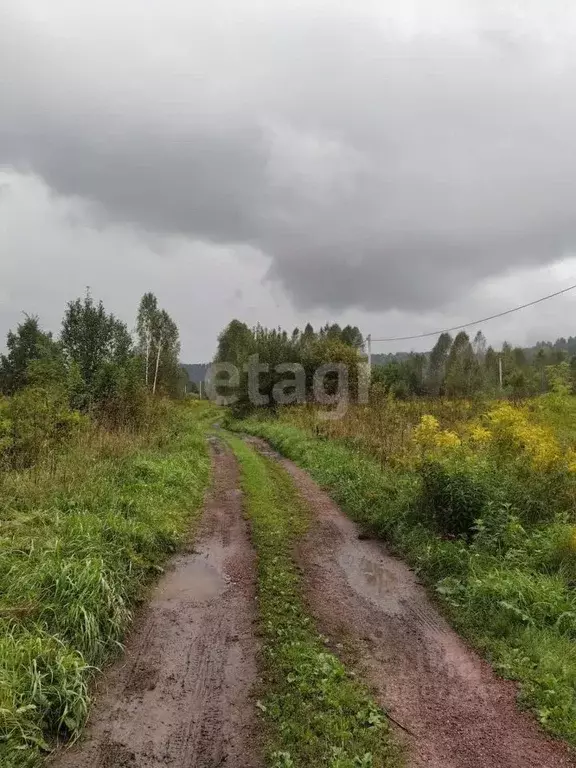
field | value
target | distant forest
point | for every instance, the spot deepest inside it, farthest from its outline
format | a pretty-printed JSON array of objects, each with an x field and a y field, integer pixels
[
  {"x": 457, "y": 366},
  {"x": 565, "y": 345},
  {"x": 461, "y": 367}
]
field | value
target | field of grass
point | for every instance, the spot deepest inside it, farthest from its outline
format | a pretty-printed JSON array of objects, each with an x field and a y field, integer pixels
[
  {"x": 316, "y": 713},
  {"x": 384, "y": 428},
  {"x": 480, "y": 498},
  {"x": 80, "y": 537}
]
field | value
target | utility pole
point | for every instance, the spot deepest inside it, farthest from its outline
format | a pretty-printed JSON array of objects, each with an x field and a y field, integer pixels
[
  {"x": 369, "y": 353},
  {"x": 200, "y": 387},
  {"x": 500, "y": 371}
]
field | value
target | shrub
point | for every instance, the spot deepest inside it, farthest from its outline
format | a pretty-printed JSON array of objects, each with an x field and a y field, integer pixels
[
  {"x": 453, "y": 498},
  {"x": 515, "y": 435},
  {"x": 38, "y": 422},
  {"x": 499, "y": 531}
]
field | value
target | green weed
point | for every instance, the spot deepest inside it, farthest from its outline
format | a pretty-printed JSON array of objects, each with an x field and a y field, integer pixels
[
  {"x": 508, "y": 584},
  {"x": 78, "y": 541}
]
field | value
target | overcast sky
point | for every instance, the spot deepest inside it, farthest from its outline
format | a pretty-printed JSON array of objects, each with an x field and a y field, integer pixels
[{"x": 400, "y": 166}]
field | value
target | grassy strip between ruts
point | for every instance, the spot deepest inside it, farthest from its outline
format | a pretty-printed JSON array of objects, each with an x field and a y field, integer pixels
[
  {"x": 78, "y": 541},
  {"x": 318, "y": 714},
  {"x": 517, "y": 609}
]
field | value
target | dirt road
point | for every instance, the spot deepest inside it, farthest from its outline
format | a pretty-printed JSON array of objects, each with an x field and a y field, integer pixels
[
  {"x": 460, "y": 714},
  {"x": 181, "y": 695}
]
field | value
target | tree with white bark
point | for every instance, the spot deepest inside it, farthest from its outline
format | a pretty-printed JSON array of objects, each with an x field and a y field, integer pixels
[
  {"x": 166, "y": 345},
  {"x": 159, "y": 346},
  {"x": 147, "y": 312}
]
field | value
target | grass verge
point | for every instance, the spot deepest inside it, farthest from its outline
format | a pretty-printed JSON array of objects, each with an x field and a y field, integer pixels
[
  {"x": 78, "y": 541},
  {"x": 317, "y": 714},
  {"x": 507, "y": 590}
]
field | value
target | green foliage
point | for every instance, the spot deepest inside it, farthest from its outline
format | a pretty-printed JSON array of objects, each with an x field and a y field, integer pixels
[
  {"x": 238, "y": 345},
  {"x": 403, "y": 378},
  {"x": 317, "y": 714},
  {"x": 560, "y": 378},
  {"x": 235, "y": 344},
  {"x": 5, "y": 427},
  {"x": 437, "y": 366},
  {"x": 452, "y": 497},
  {"x": 120, "y": 397},
  {"x": 463, "y": 375},
  {"x": 78, "y": 542},
  {"x": 91, "y": 339},
  {"x": 94, "y": 367},
  {"x": 460, "y": 368},
  {"x": 166, "y": 348},
  {"x": 28, "y": 345},
  {"x": 145, "y": 326},
  {"x": 508, "y": 584},
  {"x": 39, "y": 424},
  {"x": 158, "y": 348}
]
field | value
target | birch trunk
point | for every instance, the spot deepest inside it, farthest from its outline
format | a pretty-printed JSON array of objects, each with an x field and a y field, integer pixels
[
  {"x": 148, "y": 334},
  {"x": 157, "y": 365}
]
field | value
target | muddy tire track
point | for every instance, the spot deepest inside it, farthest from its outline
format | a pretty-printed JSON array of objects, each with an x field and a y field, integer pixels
[
  {"x": 181, "y": 695},
  {"x": 459, "y": 713}
]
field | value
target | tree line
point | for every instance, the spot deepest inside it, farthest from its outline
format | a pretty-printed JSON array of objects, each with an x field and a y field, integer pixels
[
  {"x": 461, "y": 367},
  {"x": 456, "y": 366},
  {"x": 95, "y": 365},
  {"x": 238, "y": 344}
]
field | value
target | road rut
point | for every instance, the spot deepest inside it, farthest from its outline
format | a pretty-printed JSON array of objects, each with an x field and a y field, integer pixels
[
  {"x": 459, "y": 713},
  {"x": 181, "y": 694}
]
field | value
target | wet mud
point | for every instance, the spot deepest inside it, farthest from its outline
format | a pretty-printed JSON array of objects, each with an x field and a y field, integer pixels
[
  {"x": 458, "y": 712},
  {"x": 181, "y": 695}
]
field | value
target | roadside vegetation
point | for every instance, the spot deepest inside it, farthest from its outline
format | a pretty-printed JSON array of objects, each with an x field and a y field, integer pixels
[
  {"x": 479, "y": 497},
  {"x": 78, "y": 542},
  {"x": 317, "y": 714},
  {"x": 101, "y": 474}
]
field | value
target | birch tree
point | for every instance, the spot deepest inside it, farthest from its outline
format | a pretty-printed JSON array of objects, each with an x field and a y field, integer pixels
[
  {"x": 165, "y": 341},
  {"x": 145, "y": 323}
]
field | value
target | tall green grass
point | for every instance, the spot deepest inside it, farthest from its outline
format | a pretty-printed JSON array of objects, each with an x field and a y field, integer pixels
[
  {"x": 510, "y": 587},
  {"x": 79, "y": 539}
]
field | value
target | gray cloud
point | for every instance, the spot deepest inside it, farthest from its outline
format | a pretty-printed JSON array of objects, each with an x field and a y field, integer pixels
[{"x": 379, "y": 164}]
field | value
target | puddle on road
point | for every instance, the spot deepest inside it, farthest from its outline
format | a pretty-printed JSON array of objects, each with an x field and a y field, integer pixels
[
  {"x": 194, "y": 579},
  {"x": 391, "y": 587},
  {"x": 378, "y": 576},
  {"x": 379, "y": 579}
]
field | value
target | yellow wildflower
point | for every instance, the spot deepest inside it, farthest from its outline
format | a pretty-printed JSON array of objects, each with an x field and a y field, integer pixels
[
  {"x": 515, "y": 434},
  {"x": 571, "y": 460},
  {"x": 428, "y": 436},
  {"x": 480, "y": 434},
  {"x": 447, "y": 439}
]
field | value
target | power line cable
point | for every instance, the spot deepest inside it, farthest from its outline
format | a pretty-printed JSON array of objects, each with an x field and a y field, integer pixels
[{"x": 483, "y": 320}]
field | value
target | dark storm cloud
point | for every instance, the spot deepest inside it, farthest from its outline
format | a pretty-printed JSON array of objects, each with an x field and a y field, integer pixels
[{"x": 376, "y": 169}]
